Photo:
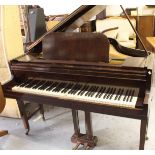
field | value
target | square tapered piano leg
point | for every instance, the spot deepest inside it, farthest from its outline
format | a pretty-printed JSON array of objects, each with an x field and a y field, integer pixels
[
  {"x": 87, "y": 140},
  {"x": 23, "y": 115},
  {"x": 143, "y": 133},
  {"x": 42, "y": 111}
]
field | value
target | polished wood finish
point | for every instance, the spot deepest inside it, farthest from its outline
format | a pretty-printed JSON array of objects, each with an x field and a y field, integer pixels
[
  {"x": 76, "y": 47},
  {"x": 98, "y": 73},
  {"x": 23, "y": 115},
  {"x": 143, "y": 133},
  {"x": 94, "y": 71}
]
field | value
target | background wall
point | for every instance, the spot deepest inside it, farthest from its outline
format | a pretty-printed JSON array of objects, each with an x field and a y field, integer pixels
[{"x": 112, "y": 10}]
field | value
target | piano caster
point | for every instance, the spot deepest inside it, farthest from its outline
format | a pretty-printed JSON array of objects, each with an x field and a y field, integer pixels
[{"x": 82, "y": 139}]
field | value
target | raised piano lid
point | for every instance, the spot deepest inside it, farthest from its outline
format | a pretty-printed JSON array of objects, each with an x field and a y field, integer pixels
[{"x": 70, "y": 23}]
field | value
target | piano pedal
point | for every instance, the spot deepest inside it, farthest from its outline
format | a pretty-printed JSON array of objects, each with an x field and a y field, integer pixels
[
  {"x": 86, "y": 146},
  {"x": 82, "y": 139},
  {"x": 76, "y": 146}
]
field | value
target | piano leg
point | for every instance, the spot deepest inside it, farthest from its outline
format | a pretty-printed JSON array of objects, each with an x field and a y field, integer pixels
[
  {"x": 143, "y": 133},
  {"x": 92, "y": 140},
  {"x": 42, "y": 111},
  {"x": 86, "y": 140},
  {"x": 76, "y": 126},
  {"x": 23, "y": 115}
]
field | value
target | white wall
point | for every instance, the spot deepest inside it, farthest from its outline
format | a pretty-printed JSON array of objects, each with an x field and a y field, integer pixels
[
  {"x": 112, "y": 10},
  {"x": 58, "y": 9}
]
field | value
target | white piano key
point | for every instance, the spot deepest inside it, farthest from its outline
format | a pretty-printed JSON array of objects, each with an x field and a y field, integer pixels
[{"x": 93, "y": 99}]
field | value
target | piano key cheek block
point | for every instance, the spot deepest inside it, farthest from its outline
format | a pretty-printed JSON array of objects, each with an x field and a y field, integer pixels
[{"x": 72, "y": 71}]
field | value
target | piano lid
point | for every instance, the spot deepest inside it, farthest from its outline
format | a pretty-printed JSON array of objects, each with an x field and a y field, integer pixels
[{"x": 73, "y": 21}]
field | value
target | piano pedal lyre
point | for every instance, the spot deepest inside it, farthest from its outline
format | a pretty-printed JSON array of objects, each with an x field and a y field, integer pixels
[{"x": 87, "y": 143}]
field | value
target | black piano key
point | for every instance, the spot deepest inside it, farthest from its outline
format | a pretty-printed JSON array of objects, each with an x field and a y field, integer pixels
[
  {"x": 88, "y": 91},
  {"x": 82, "y": 90},
  {"x": 34, "y": 87},
  {"x": 52, "y": 86},
  {"x": 132, "y": 95},
  {"x": 44, "y": 85},
  {"x": 85, "y": 90},
  {"x": 68, "y": 87},
  {"x": 25, "y": 83},
  {"x": 112, "y": 93},
  {"x": 130, "y": 91},
  {"x": 126, "y": 94},
  {"x": 48, "y": 84},
  {"x": 95, "y": 90},
  {"x": 77, "y": 89},
  {"x": 61, "y": 87},
  {"x": 72, "y": 89},
  {"x": 21, "y": 82},
  {"x": 122, "y": 90},
  {"x": 117, "y": 94},
  {"x": 62, "y": 91},
  {"x": 107, "y": 92},
  {"x": 34, "y": 83},
  {"x": 56, "y": 87},
  {"x": 65, "y": 87},
  {"x": 39, "y": 84},
  {"x": 29, "y": 85},
  {"x": 101, "y": 93}
]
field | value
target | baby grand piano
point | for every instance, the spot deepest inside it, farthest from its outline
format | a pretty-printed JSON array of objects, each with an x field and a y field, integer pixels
[{"x": 71, "y": 70}]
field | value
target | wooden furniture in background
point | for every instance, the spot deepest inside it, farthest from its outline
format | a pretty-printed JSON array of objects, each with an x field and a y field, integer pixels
[
  {"x": 151, "y": 41},
  {"x": 2, "y": 105},
  {"x": 145, "y": 27}
]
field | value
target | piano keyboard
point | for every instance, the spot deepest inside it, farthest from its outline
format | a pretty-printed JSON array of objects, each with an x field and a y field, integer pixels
[{"x": 87, "y": 92}]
